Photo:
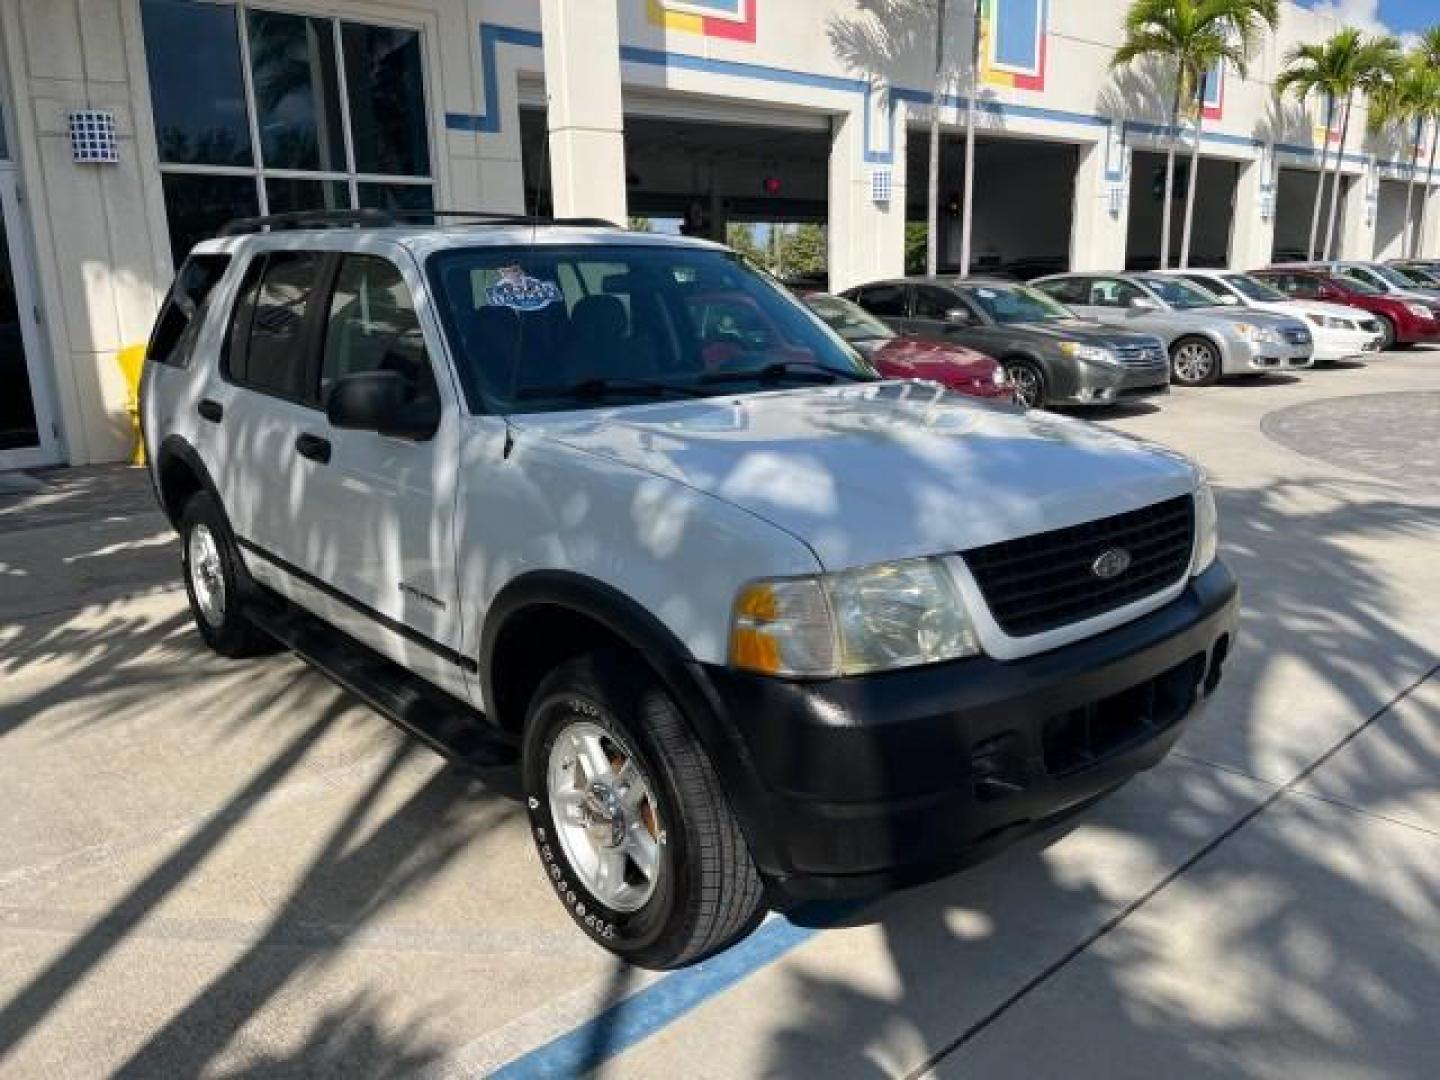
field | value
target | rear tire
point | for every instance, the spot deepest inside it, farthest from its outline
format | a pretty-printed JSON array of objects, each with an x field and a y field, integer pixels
[
  {"x": 632, "y": 825},
  {"x": 1194, "y": 361},
  {"x": 217, "y": 582}
]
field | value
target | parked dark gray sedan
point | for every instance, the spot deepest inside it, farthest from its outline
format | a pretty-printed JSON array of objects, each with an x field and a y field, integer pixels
[{"x": 1052, "y": 357}]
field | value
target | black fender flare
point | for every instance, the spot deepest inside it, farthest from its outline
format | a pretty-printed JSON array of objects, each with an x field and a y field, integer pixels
[
  {"x": 177, "y": 448},
  {"x": 684, "y": 677}
]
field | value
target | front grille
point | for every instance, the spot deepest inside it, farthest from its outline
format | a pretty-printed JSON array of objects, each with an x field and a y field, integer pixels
[
  {"x": 1046, "y": 581},
  {"x": 1298, "y": 336},
  {"x": 1140, "y": 355}
]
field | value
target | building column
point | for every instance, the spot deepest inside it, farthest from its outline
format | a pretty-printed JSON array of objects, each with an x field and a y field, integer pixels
[
  {"x": 866, "y": 238},
  {"x": 1101, "y": 228},
  {"x": 1359, "y": 210},
  {"x": 586, "y": 117},
  {"x": 1252, "y": 233},
  {"x": 1430, "y": 236}
]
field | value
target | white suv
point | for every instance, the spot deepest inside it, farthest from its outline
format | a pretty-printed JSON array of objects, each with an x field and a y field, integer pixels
[{"x": 760, "y": 626}]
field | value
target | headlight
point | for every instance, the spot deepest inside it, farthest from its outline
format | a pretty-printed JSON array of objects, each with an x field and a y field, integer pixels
[
  {"x": 1329, "y": 322},
  {"x": 998, "y": 376},
  {"x": 1087, "y": 352},
  {"x": 1261, "y": 334},
  {"x": 895, "y": 615},
  {"x": 1420, "y": 311},
  {"x": 1207, "y": 526}
]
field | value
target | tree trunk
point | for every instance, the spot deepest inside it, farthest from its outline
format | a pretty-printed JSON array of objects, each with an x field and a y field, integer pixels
[
  {"x": 1190, "y": 192},
  {"x": 1166, "y": 211},
  {"x": 1405, "y": 237},
  {"x": 932, "y": 216},
  {"x": 1313, "y": 250},
  {"x": 1429, "y": 179},
  {"x": 1339, "y": 164},
  {"x": 967, "y": 208}
]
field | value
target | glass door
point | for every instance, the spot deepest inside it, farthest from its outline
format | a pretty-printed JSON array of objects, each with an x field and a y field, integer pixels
[{"x": 27, "y": 435}]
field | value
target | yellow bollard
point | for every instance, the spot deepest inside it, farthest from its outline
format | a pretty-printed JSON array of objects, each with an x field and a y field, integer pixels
[{"x": 131, "y": 360}]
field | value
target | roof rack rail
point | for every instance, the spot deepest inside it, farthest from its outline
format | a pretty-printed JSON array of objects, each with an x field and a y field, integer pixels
[{"x": 382, "y": 219}]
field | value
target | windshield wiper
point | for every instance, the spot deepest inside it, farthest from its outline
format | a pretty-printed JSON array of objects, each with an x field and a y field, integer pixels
[
  {"x": 802, "y": 370},
  {"x": 601, "y": 389}
]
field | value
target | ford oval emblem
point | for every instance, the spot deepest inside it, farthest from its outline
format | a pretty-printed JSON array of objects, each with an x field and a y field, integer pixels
[{"x": 1111, "y": 564}]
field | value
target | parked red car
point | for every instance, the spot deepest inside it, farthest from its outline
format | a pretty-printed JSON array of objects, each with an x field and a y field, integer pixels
[
  {"x": 901, "y": 356},
  {"x": 1402, "y": 322}
]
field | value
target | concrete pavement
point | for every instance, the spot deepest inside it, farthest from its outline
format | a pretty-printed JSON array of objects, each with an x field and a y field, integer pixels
[{"x": 210, "y": 868}]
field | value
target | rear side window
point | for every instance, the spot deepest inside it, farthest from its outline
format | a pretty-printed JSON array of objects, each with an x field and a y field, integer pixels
[
  {"x": 886, "y": 301},
  {"x": 1067, "y": 290},
  {"x": 933, "y": 303},
  {"x": 267, "y": 347},
  {"x": 372, "y": 326},
  {"x": 181, "y": 316}
]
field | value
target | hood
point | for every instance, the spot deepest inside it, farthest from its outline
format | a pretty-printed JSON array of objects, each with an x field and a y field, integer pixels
[
  {"x": 1083, "y": 330},
  {"x": 1247, "y": 315},
  {"x": 867, "y": 474},
  {"x": 1300, "y": 309}
]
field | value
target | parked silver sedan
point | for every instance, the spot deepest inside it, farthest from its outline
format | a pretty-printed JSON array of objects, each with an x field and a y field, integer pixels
[{"x": 1205, "y": 339}]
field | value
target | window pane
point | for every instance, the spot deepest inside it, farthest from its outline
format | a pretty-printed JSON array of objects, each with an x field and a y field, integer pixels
[
  {"x": 287, "y": 195},
  {"x": 886, "y": 301},
  {"x": 181, "y": 316},
  {"x": 373, "y": 327},
  {"x": 274, "y": 361},
  {"x": 387, "y": 100},
  {"x": 196, "y": 207},
  {"x": 397, "y": 197},
  {"x": 193, "y": 53},
  {"x": 297, "y": 97}
]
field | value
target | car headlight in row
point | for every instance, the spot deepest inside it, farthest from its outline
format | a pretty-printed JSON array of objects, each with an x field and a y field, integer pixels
[
  {"x": 895, "y": 615},
  {"x": 999, "y": 376},
  {"x": 1421, "y": 311},
  {"x": 1087, "y": 352},
  {"x": 1260, "y": 334},
  {"x": 1329, "y": 322},
  {"x": 1207, "y": 526}
]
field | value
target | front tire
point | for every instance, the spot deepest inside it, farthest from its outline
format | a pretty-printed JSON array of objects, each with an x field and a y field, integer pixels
[
  {"x": 1194, "y": 361},
  {"x": 631, "y": 823},
  {"x": 217, "y": 582},
  {"x": 1028, "y": 383},
  {"x": 1388, "y": 333}
]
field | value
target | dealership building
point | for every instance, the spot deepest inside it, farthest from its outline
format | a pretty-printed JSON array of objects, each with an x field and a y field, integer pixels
[{"x": 133, "y": 127}]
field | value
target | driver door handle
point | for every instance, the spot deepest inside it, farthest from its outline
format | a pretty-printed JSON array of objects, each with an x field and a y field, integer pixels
[{"x": 313, "y": 447}]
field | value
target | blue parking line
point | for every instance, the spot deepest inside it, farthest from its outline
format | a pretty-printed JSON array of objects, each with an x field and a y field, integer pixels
[{"x": 636, "y": 1018}]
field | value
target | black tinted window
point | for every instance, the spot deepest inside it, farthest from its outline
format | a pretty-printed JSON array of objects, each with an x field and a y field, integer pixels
[
  {"x": 196, "y": 86},
  {"x": 268, "y": 347},
  {"x": 1068, "y": 290},
  {"x": 887, "y": 301},
  {"x": 932, "y": 302},
  {"x": 386, "y": 90},
  {"x": 180, "y": 317},
  {"x": 372, "y": 327}
]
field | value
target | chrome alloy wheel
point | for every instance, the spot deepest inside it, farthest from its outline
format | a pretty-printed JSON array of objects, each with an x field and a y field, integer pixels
[
  {"x": 1194, "y": 362},
  {"x": 207, "y": 575},
  {"x": 605, "y": 815},
  {"x": 1026, "y": 383}
]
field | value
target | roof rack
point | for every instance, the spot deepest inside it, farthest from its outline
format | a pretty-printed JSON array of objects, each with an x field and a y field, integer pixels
[{"x": 389, "y": 219}]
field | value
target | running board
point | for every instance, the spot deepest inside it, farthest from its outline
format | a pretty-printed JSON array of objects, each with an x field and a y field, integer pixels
[{"x": 447, "y": 725}]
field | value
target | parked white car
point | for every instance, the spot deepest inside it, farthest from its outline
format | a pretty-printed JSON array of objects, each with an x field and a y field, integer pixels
[
  {"x": 760, "y": 625},
  {"x": 1340, "y": 332}
]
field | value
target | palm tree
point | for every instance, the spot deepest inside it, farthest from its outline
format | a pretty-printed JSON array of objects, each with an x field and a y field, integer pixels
[
  {"x": 1318, "y": 70},
  {"x": 1345, "y": 66},
  {"x": 1405, "y": 103},
  {"x": 1429, "y": 53},
  {"x": 1194, "y": 37}
]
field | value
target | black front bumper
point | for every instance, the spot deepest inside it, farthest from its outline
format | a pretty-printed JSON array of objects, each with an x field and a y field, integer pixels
[{"x": 874, "y": 782}]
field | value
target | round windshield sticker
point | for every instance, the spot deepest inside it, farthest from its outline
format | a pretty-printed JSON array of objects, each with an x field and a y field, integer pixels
[{"x": 520, "y": 292}]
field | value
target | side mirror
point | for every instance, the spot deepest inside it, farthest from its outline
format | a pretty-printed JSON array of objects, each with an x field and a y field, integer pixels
[
  {"x": 959, "y": 317},
  {"x": 1143, "y": 303},
  {"x": 375, "y": 401}
]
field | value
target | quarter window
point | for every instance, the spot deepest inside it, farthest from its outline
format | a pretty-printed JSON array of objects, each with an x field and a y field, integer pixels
[
  {"x": 332, "y": 115},
  {"x": 373, "y": 327},
  {"x": 181, "y": 316}
]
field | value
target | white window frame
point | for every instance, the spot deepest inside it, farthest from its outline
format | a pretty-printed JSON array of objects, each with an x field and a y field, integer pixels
[
  {"x": 682, "y": 7},
  {"x": 350, "y": 177}
]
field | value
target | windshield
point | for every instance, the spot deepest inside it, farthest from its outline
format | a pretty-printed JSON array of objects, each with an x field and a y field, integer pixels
[
  {"x": 1254, "y": 289},
  {"x": 1180, "y": 295},
  {"x": 1413, "y": 275},
  {"x": 1016, "y": 303},
  {"x": 1388, "y": 273},
  {"x": 1355, "y": 284},
  {"x": 549, "y": 327},
  {"x": 850, "y": 321}
]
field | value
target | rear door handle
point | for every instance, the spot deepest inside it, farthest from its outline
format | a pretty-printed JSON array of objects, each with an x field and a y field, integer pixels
[
  {"x": 211, "y": 410},
  {"x": 314, "y": 447}
]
